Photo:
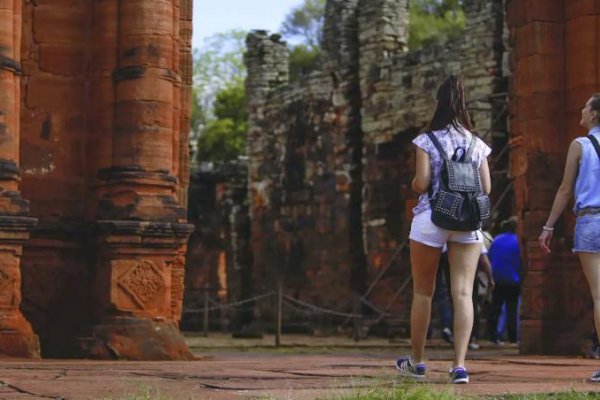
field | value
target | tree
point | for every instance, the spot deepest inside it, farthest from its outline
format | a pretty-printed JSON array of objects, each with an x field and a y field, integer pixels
[
  {"x": 305, "y": 22},
  {"x": 219, "y": 63},
  {"x": 435, "y": 21},
  {"x": 304, "y": 25},
  {"x": 217, "y": 96},
  {"x": 303, "y": 60},
  {"x": 223, "y": 138},
  {"x": 198, "y": 116}
]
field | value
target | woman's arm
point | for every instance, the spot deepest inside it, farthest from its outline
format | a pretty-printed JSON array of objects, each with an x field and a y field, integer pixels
[
  {"x": 564, "y": 193},
  {"x": 484, "y": 174},
  {"x": 422, "y": 179}
]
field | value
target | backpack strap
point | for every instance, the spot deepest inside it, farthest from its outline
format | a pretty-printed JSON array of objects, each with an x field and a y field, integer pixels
[
  {"x": 469, "y": 152},
  {"x": 595, "y": 143},
  {"x": 437, "y": 145}
]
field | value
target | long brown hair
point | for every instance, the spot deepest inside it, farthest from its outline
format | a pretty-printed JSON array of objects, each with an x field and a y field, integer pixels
[{"x": 451, "y": 106}]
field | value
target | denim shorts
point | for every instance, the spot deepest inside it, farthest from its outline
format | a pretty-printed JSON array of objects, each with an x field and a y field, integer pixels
[{"x": 587, "y": 234}]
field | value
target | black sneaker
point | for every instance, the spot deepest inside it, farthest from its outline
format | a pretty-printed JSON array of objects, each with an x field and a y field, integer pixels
[
  {"x": 447, "y": 335},
  {"x": 596, "y": 376},
  {"x": 459, "y": 375},
  {"x": 406, "y": 368}
]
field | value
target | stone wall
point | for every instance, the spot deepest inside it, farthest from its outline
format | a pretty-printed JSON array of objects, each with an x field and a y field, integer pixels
[
  {"x": 398, "y": 91},
  {"x": 102, "y": 101},
  {"x": 553, "y": 44},
  {"x": 54, "y": 120},
  {"x": 300, "y": 167},
  {"x": 218, "y": 259},
  {"x": 330, "y": 156}
]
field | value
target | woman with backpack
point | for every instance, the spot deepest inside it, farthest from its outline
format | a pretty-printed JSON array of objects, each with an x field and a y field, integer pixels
[
  {"x": 581, "y": 178},
  {"x": 449, "y": 158}
]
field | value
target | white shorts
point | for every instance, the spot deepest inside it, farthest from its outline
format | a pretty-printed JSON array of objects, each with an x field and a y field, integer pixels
[{"x": 424, "y": 231}]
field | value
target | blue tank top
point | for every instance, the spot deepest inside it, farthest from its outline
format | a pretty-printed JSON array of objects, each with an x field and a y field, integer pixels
[{"x": 587, "y": 185}]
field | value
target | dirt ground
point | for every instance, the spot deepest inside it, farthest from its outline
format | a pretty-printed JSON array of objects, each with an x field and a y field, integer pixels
[{"x": 309, "y": 368}]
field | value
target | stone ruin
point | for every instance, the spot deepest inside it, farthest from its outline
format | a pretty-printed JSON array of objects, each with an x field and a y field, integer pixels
[
  {"x": 330, "y": 161},
  {"x": 94, "y": 119}
]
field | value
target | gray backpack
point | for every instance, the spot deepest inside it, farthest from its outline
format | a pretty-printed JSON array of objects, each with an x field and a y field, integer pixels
[{"x": 460, "y": 204}]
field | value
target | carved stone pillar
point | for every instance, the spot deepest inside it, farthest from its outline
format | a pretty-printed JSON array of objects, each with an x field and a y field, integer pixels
[
  {"x": 16, "y": 336},
  {"x": 142, "y": 230}
]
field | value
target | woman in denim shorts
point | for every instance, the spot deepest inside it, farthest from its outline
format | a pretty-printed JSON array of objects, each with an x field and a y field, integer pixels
[
  {"x": 451, "y": 126},
  {"x": 582, "y": 178}
]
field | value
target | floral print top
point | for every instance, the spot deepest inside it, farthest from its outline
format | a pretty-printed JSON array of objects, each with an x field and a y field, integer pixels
[{"x": 454, "y": 141}]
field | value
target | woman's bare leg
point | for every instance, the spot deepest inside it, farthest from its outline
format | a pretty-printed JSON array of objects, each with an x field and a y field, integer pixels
[
  {"x": 591, "y": 267},
  {"x": 463, "y": 260},
  {"x": 424, "y": 264}
]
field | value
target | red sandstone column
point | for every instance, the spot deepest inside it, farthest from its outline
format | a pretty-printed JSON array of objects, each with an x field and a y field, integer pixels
[
  {"x": 142, "y": 229},
  {"x": 16, "y": 336},
  {"x": 537, "y": 149},
  {"x": 102, "y": 105},
  {"x": 553, "y": 42}
]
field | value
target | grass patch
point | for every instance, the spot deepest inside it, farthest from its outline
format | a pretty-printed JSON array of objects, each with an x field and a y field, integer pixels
[
  {"x": 422, "y": 392},
  {"x": 570, "y": 395},
  {"x": 144, "y": 393},
  {"x": 399, "y": 392}
]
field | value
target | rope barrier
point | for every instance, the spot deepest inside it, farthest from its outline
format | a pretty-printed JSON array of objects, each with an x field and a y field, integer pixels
[
  {"x": 229, "y": 305},
  {"x": 292, "y": 302},
  {"x": 321, "y": 309}
]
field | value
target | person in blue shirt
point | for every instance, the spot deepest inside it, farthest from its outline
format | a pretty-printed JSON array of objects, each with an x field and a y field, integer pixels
[
  {"x": 505, "y": 256},
  {"x": 582, "y": 179}
]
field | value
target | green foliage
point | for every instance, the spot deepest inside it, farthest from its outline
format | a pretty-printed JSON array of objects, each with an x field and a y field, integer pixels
[
  {"x": 305, "y": 22},
  {"x": 198, "y": 116},
  {"x": 303, "y": 60},
  {"x": 223, "y": 137},
  {"x": 304, "y": 25},
  {"x": 218, "y": 64},
  {"x": 231, "y": 103},
  {"x": 218, "y": 109},
  {"x": 435, "y": 21}
]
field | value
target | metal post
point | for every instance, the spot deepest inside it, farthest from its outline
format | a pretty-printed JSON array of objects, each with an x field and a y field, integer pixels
[
  {"x": 279, "y": 317},
  {"x": 355, "y": 310},
  {"x": 206, "y": 311}
]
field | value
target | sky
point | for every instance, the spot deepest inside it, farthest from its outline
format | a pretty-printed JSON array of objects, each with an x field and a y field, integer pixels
[{"x": 214, "y": 16}]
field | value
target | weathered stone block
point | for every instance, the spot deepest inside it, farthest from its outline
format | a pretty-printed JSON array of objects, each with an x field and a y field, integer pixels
[
  {"x": 543, "y": 135},
  {"x": 541, "y": 74},
  {"x": 542, "y": 10},
  {"x": 55, "y": 24},
  {"x": 576, "y": 8},
  {"x": 580, "y": 72},
  {"x": 159, "y": 89},
  {"x": 42, "y": 90},
  {"x": 62, "y": 60},
  {"x": 539, "y": 38},
  {"x": 155, "y": 51},
  {"x": 146, "y": 17}
]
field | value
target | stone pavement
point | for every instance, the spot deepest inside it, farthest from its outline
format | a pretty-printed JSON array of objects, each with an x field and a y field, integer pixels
[{"x": 284, "y": 375}]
